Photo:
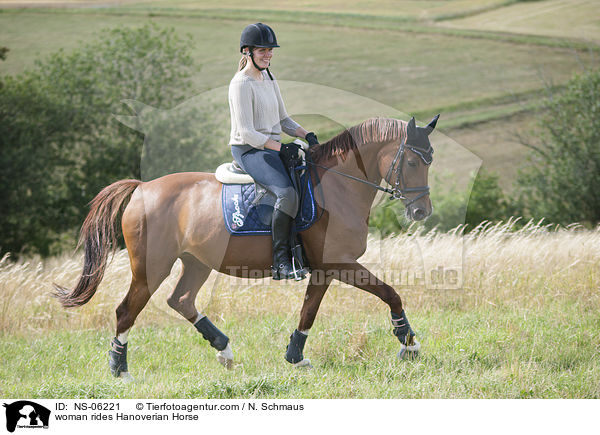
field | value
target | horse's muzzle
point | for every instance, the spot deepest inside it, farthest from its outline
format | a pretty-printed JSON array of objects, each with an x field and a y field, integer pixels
[{"x": 417, "y": 213}]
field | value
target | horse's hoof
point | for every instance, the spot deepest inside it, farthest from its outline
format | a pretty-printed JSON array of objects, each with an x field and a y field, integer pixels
[
  {"x": 225, "y": 357},
  {"x": 304, "y": 364},
  {"x": 225, "y": 362},
  {"x": 126, "y": 377},
  {"x": 409, "y": 352}
]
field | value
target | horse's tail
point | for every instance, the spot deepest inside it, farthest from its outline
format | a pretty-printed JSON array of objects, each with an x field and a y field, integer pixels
[{"x": 99, "y": 237}]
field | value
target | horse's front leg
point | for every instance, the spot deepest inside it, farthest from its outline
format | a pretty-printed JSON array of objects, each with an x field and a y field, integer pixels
[
  {"x": 358, "y": 276},
  {"x": 315, "y": 291}
]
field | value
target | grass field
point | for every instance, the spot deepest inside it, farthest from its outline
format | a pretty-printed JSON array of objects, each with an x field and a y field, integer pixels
[
  {"x": 524, "y": 325},
  {"x": 409, "y": 10},
  {"x": 410, "y": 72},
  {"x": 393, "y": 54},
  {"x": 540, "y": 18}
]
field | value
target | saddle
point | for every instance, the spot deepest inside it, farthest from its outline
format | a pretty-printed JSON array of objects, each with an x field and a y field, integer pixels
[
  {"x": 248, "y": 206},
  {"x": 232, "y": 173}
]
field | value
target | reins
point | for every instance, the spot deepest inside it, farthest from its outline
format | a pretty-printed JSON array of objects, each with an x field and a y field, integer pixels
[{"x": 352, "y": 177}]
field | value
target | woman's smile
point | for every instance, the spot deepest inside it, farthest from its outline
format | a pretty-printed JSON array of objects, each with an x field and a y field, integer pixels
[{"x": 263, "y": 56}]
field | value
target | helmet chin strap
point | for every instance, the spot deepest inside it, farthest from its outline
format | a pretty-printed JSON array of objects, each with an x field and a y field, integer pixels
[{"x": 254, "y": 63}]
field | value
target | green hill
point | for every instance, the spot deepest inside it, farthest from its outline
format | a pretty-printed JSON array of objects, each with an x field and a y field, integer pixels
[{"x": 485, "y": 70}]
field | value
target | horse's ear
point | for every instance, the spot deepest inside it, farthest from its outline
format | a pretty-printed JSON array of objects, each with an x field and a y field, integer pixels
[
  {"x": 135, "y": 122},
  {"x": 429, "y": 127},
  {"x": 138, "y": 107},
  {"x": 411, "y": 128}
]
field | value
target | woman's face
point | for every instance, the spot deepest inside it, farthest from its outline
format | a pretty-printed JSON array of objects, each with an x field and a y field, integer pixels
[{"x": 262, "y": 56}]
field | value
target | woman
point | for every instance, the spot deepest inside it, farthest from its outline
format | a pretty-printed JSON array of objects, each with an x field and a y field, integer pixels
[{"x": 258, "y": 117}]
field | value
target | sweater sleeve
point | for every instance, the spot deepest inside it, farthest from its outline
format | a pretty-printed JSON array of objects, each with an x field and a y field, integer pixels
[
  {"x": 288, "y": 125},
  {"x": 240, "y": 102}
]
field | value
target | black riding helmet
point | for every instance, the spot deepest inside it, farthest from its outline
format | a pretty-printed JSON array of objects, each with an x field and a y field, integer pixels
[{"x": 258, "y": 35}]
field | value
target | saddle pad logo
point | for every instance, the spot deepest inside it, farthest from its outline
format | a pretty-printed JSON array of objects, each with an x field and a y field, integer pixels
[{"x": 237, "y": 216}]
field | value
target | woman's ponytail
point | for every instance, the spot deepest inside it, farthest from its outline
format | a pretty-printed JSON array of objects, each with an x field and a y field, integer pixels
[{"x": 243, "y": 62}]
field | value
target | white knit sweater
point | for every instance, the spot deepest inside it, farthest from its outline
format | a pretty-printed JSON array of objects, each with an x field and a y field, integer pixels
[{"x": 257, "y": 111}]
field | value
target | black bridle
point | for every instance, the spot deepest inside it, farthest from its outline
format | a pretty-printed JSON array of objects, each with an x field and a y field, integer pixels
[{"x": 397, "y": 191}]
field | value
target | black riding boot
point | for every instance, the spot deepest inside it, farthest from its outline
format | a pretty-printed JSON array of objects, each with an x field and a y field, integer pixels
[{"x": 282, "y": 264}]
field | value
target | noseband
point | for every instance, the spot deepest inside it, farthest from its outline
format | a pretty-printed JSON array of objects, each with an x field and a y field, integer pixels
[{"x": 398, "y": 191}]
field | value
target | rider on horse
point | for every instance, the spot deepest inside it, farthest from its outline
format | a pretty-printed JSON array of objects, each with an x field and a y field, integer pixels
[{"x": 258, "y": 117}]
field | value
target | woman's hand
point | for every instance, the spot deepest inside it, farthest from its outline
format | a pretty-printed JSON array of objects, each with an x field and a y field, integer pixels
[
  {"x": 308, "y": 136},
  {"x": 290, "y": 154},
  {"x": 311, "y": 138},
  {"x": 272, "y": 145}
]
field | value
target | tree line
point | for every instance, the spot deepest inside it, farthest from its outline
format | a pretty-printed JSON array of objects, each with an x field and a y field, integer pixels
[{"x": 60, "y": 143}]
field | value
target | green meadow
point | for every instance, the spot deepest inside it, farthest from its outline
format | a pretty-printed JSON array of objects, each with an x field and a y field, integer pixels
[
  {"x": 524, "y": 324},
  {"x": 407, "y": 55},
  {"x": 483, "y": 353}
]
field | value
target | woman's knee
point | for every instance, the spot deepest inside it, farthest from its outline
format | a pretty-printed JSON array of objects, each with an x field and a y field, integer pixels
[{"x": 287, "y": 201}]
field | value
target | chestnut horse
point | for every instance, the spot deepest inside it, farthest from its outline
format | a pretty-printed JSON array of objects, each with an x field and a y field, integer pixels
[{"x": 179, "y": 216}]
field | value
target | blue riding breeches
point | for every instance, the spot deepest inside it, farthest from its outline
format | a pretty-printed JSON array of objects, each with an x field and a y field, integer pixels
[{"x": 267, "y": 169}]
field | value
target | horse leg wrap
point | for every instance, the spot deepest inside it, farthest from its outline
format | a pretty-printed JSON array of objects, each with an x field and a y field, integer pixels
[
  {"x": 402, "y": 328},
  {"x": 294, "y": 351},
  {"x": 210, "y": 332},
  {"x": 117, "y": 357}
]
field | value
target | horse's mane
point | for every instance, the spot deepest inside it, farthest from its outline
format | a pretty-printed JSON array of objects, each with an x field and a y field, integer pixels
[{"x": 369, "y": 131}]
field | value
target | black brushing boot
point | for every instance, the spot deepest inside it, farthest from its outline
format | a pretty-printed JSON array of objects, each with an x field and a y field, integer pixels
[
  {"x": 117, "y": 357},
  {"x": 410, "y": 347},
  {"x": 282, "y": 264},
  {"x": 294, "y": 353}
]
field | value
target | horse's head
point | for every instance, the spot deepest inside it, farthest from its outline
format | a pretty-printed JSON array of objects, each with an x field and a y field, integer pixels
[{"x": 405, "y": 165}]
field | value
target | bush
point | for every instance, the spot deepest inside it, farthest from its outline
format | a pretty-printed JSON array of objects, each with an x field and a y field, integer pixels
[
  {"x": 59, "y": 143},
  {"x": 486, "y": 202},
  {"x": 34, "y": 126},
  {"x": 562, "y": 181}
]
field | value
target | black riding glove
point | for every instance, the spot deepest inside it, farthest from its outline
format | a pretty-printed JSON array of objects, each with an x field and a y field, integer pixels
[
  {"x": 290, "y": 154},
  {"x": 311, "y": 138}
]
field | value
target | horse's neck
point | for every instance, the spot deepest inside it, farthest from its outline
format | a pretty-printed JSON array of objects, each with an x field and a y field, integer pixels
[
  {"x": 352, "y": 195},
  {"x": 364, "y": 158}
]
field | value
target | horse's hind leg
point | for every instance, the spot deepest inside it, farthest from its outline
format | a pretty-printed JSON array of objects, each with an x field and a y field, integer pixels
[
  {"x": 149, "y": 268},
  {"x": 127, "y": 312},
  {"x": 140, "y": 291},
  {"x": 193, "y": 275}
]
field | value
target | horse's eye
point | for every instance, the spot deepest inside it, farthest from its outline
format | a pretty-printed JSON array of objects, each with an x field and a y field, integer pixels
[{"x": 412, "y": 163}]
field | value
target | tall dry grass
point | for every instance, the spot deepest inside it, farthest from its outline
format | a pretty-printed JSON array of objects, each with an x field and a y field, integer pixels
[{"x": 501, "y": 267}]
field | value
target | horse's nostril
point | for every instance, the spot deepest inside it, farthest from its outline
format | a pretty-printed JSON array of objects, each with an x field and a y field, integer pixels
[{"x": 419, "y": 214}]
